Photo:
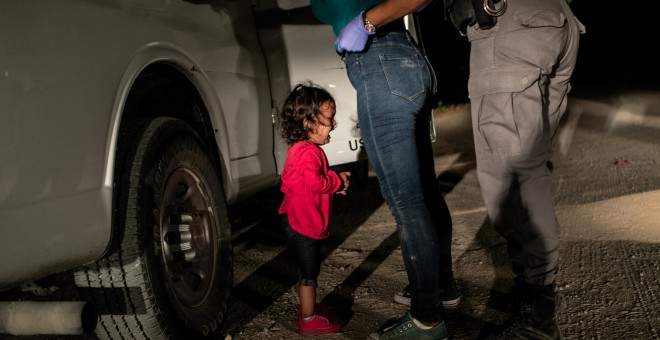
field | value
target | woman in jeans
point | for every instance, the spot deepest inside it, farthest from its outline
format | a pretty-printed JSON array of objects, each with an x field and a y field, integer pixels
[{"x": 395, "y": 86}]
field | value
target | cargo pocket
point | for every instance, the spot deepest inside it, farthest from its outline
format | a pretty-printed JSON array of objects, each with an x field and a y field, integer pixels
[
  {"x": 502, "y": 80},
  {"x": 540, "y": 18},
  {"x": 404, "y": 74},
  {"x": 507, "y": 108}
]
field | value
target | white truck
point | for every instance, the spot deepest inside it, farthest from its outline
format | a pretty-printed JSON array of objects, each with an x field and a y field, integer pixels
[{"x": 129, "y": 126}]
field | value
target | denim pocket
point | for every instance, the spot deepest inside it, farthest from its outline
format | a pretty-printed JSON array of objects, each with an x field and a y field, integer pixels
[
  {"x": 404, "y": 74},
  {"x": 352, "y": 69}
]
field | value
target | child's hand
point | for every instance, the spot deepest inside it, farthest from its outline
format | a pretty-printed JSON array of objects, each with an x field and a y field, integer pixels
[{"x": 344, "y": 177}]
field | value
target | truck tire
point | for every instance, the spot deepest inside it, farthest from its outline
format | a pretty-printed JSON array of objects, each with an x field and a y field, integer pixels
[{"x": 168, "y": 272}]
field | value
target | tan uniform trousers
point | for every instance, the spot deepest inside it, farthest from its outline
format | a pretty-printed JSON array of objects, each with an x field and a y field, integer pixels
[{"x": 519, "y": 79}]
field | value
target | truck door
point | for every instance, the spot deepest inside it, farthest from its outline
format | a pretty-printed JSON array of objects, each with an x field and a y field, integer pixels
[{"x": 300, "y": 48}]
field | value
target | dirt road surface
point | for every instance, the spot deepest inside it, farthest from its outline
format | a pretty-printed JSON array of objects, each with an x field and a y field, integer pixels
[
  {"x": 607, "y": 181},
  {"x": 608, "y": 192}
]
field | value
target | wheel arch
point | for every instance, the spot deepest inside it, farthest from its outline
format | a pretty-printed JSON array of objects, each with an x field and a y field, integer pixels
[
  {"x": 161, "y": 80},
  {"x": 169, "y": 62}
]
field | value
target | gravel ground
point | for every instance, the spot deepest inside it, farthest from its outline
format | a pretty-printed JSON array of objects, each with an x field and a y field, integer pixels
[{"x": 607, "y": 181}]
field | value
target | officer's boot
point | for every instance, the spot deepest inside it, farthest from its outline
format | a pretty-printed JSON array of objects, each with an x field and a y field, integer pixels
[
  {"x": 533, "y": 315},
  {"x": 510, "y": 302}
]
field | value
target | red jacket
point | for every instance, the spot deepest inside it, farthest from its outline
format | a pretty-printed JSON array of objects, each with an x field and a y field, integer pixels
[{"x": 308, "y": 186}]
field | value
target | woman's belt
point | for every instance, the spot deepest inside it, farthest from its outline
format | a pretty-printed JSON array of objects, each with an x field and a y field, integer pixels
[{"x": 394, "y": 26}]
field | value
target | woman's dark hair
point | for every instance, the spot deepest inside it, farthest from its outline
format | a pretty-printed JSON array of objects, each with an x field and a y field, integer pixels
[{"x": 302, "y": 104}]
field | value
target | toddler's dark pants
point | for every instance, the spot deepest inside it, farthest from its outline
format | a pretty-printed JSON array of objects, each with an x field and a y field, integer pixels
[{"x": 308, "y": 251}]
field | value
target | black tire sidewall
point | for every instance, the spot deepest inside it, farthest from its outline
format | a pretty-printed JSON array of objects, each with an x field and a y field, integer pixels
[{"x": 163, "y": 145}]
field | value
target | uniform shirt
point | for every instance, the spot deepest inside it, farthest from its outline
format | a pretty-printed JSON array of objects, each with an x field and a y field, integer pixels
[
  {"x": 308, "y": 186},
  {"x": 338, "y": 13}
]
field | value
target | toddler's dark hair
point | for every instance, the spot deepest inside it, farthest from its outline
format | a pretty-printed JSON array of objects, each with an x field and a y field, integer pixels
[{"x": 303, "y": 103}]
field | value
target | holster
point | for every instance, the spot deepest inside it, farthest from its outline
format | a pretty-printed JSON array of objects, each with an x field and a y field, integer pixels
[{"x": 464, "y": 13}]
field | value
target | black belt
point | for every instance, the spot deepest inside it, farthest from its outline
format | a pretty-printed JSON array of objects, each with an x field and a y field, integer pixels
[{"x": 394, "y": 26}]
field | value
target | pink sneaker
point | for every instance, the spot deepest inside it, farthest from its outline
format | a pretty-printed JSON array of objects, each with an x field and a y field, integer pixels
[
  {"x": 317, "y": 324},
  {"x": 324, "y": 311}
]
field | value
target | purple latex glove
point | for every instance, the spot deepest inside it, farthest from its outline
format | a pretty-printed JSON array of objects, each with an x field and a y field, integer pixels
[{"x": 353, "y": 37}]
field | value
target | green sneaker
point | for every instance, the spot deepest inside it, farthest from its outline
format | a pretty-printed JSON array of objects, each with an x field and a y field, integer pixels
[
  {"x": 450, "y": 297},
  {"x": 406, "y": 329}
]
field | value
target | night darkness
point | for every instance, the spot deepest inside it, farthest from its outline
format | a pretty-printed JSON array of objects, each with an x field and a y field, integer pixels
[{"x": 615, "y": 53}]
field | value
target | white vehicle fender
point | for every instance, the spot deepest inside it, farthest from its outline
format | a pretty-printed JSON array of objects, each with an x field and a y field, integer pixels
[{"x": 168, "y": 53}]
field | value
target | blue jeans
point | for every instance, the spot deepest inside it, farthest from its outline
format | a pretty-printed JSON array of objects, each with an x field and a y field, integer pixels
[{"x": 395, "y": 86}]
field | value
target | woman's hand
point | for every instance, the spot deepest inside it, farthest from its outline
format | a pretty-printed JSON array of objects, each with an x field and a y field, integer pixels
[{"x": 353, "y": 37}]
